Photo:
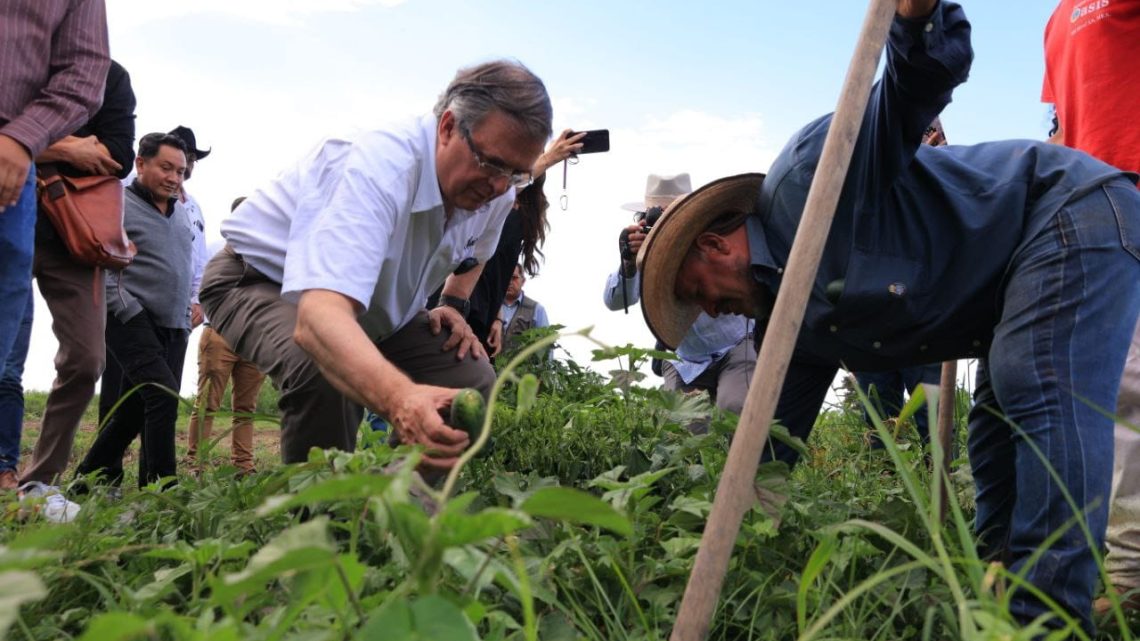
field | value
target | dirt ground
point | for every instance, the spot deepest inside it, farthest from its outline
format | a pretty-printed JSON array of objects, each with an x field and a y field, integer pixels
[{"x": 266, "y": 444}]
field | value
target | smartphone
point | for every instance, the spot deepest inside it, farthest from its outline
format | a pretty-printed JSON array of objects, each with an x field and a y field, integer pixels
[{"x": 595, "y": 140}]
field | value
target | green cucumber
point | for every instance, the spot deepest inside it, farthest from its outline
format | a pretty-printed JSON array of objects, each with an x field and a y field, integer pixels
[{"x": 467, "y": 412}]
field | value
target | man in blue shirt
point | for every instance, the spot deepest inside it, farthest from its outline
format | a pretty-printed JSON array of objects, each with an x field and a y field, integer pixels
[{"x": 1021, "y": 253}]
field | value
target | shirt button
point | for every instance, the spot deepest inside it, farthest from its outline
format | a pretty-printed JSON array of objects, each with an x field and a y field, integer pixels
[
  {"x": 929, "y": 27},
  {"x": 833, "y": 329},
  {"x": 876, "y": 344},
  {"x": 977, "y": 343},
  {"x": 922, "y": 348}
]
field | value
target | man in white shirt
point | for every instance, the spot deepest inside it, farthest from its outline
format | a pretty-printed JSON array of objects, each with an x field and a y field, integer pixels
[{"x": 327, "y": 270}]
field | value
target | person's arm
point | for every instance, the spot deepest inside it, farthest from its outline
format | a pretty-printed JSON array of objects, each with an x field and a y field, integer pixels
[
  {"x": 327, "y": 330},
  {"x": 74, "y": 90},
  {"x": 928, "y": 55},
  {"x": 462, "y": 339},
  {"x": 561, "y": 148},
  {"x": 114, "y": 124},
  {"x": 540, "y": 318}
]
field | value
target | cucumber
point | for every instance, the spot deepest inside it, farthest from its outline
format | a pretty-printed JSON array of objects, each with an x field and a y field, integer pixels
[{"x": 467, "y": 412}]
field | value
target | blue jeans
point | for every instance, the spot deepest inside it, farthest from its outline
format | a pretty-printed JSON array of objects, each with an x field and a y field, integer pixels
[
  {"x": 887, "y": 394},
  {"x": 12, "y": 388},
  {"x": 17, "y": 245},
  {"x": 1068, "y": 309}
]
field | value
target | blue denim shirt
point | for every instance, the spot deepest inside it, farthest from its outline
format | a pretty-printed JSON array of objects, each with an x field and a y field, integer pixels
[
  {"x": 707, "y": 340},
  {"x": 917, "y": 286}
]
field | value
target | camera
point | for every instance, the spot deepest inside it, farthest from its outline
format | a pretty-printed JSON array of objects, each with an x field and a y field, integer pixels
[{"x": 646, "y": 219}]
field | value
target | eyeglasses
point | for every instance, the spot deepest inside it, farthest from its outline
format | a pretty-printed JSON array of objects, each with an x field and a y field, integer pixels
[{"x": 518, "y": 179}]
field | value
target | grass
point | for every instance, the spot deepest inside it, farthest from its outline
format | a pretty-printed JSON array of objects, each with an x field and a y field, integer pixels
[
  {"x": 266, "y": 436},
  {"x": 845, "y": 546}
]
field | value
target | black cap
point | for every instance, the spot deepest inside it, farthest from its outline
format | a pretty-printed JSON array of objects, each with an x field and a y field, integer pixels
[{"x": 187, "y": 136}]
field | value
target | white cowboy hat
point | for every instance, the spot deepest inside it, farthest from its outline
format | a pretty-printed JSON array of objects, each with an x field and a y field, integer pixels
[
  {"x": 663, "y": 251},
  {"x": 662, "y": 190}
]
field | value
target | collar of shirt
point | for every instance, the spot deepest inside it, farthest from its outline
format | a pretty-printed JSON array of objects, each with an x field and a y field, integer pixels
[
  {"x": 138, "y": 189},
  {"x": 764, "y": 268}
]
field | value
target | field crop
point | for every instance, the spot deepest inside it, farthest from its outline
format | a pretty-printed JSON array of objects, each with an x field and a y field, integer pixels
[{"x": 578, "y": 519}]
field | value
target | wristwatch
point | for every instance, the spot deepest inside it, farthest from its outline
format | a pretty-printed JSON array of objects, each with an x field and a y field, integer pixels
[{"x": 462, "y": 305}]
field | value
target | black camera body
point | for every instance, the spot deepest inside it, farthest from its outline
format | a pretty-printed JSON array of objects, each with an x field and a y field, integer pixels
[{"x": 647, "y": 219}]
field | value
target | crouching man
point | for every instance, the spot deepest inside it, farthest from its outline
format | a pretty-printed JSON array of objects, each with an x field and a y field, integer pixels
[{"x": 327, "y": 269}]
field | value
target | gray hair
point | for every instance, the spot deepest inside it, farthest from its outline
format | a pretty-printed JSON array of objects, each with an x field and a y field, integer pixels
[{"x": 506, "y": 85}]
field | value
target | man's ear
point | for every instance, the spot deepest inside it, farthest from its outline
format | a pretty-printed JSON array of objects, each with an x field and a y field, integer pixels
[
  {"x": 709, "y": 244},
  {"x": 447, "y": 127}
]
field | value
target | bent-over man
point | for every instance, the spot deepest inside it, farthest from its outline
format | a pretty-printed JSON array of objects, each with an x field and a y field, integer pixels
[{"x": 1023, "y": 254}]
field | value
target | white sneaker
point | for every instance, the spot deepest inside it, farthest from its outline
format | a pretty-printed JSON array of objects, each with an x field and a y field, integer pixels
[{"x": 54, "y": 506}]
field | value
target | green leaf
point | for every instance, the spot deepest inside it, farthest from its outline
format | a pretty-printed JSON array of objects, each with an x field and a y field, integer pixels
[
  {"x": 117, "y": 626},
  {"x": 812, "y": 570},
  {"x": 17, "y": 588},
  {"x": 301, "y": 547},
  {"x": 457, "y": 528},
  {"x": 567, "y": 504},
  {"x": 357, "y": 486},
  {"x": 431, "y": 618}
]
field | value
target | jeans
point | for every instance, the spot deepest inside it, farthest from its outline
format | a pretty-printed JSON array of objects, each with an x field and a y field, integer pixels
[
  {"x": 12, "y": 389},
  {"x": 888, "y": 394},
  {"x": 1045, "y": 396},
  {"x": 147, "y": 354},
  {"x": 17, "y": 245}
]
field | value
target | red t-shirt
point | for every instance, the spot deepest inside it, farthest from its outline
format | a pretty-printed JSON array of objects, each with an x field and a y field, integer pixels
[{"x": 1092, "y": 59}]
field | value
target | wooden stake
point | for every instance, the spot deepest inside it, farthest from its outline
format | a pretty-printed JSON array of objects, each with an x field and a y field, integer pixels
[{"x": 735, "y": 493}]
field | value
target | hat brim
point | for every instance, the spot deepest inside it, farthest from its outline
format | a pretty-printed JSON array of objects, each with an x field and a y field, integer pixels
[
  {"x": 653, "y": 201},
  {"x": 199, "y": 154},
  {"x": 668, "y": 243}
]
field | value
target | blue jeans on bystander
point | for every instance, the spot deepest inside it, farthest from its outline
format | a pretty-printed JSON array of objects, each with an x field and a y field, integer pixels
[
  {"x": 12, "y": 388},
  {"x": 17, "y": 246}
]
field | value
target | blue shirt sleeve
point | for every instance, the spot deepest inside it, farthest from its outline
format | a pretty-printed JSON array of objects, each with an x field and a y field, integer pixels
[
  {"x": 540, "y": 319},
  {"x": 926, "y": 59}
]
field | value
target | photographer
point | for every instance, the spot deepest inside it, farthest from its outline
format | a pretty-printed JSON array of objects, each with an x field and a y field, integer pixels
[{"x": 716, "y": 355}]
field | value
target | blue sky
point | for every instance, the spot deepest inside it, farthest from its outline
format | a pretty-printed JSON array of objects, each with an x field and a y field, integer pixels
[{"x": 709, "y": 88}]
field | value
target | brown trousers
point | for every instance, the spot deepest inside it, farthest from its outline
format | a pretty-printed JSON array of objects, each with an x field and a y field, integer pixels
[
  {"x": 78, "y": 322},
  {"x": 217, "y": 363},
  {"x": 246, "y": 308}
]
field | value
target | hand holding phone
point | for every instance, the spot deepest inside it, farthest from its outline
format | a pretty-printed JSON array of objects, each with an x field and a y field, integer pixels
[{"x": 595, "y": 141}]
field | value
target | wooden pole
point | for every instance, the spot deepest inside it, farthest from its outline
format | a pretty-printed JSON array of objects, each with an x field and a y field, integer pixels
[
  {"x": 947, "y": 402},
  {"x": 735, "y": 493}
]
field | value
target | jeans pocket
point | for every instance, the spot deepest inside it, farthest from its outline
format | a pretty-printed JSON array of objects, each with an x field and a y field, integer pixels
[{"x": 1125, "y": 202}]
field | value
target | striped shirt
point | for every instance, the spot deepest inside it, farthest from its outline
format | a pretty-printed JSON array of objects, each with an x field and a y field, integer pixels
[{"x": 53, "y": 65}]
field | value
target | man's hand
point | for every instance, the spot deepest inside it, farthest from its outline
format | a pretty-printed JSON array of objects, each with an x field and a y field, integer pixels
[
  {"x": 462, "y": 339},
  {"x": 916, "y": 9},
  {"x": 14, "y": 164},
  {"x": 86, "y": 154},
  {"x": 495, "y": 337},
  {"x": 633, "y": 238},
  {"x": 196, "y": 315},
  {"x": 415, "y": 415}
]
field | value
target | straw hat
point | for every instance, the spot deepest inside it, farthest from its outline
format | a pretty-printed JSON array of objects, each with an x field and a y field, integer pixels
[
  {"x": 668, "y": 243},
  {"x": 660, "y": 191}
]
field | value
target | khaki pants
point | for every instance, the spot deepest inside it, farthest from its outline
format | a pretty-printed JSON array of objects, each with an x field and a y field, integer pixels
[
  {"x": 726, "y": 380},
  {"x": 217, "y": 363},
  {"x": 1123, "y": 537},
  {"x": 78, "y": 322},
  {"x": 246, "y": 308}
]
